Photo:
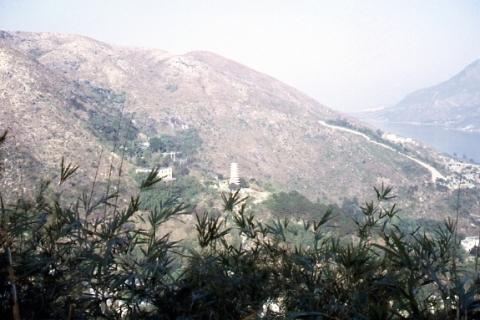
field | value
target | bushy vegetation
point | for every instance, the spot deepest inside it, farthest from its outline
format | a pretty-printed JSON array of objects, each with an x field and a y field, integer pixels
[
  {"x": 94, "y": 259},
  {"x": 295, "y": 204},
  {"x": 187, "y": 142},
  {"x": 375, "y": 135},
  {"x": 186, "y": 189},
  {"x": 108, "y": 123}
]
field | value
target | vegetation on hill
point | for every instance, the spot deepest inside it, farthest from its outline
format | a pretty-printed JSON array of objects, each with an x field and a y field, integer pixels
[
  {"x": 186, "y": 141},
  {"x": 95, "y": 258},
  {"x": 295, "y": 204},
  {"x": 186, "y": 189},
  {"x": 159, "y": 150}
]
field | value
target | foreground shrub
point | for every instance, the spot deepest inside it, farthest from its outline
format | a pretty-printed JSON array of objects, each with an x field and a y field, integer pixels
[{"x": 92, "y": 259}]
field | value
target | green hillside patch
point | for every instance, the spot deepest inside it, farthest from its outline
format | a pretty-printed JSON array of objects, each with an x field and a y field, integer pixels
[{"x": 294, "y": 204}]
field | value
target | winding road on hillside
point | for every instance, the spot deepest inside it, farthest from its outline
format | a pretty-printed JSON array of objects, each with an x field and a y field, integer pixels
[{"x": 434, "y": 172}]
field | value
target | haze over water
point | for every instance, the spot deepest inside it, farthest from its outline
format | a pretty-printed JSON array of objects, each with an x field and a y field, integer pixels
[{"x": 454, "y": 142}]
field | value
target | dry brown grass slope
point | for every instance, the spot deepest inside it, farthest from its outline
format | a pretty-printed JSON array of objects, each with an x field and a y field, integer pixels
[
  {"x": 242, "y": 115},
  {"x": 43, "y": 122}
]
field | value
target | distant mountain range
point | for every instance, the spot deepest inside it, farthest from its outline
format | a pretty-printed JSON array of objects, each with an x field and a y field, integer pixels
[
  {"x": 64, "y": 95},
  {"x": 453, "y": 104}
]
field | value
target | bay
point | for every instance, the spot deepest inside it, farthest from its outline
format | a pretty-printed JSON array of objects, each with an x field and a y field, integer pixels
[{"x": 461, "y": 144}]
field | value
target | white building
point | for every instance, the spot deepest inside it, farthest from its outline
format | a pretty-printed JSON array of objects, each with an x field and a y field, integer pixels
[
  {"x": 469, "y": 243},
  {"x": 234, "y": 176},
  {"x": 165, "y": 173}
]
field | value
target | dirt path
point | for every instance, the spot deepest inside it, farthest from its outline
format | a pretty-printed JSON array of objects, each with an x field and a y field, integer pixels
[{"x": 434, "y": 172}]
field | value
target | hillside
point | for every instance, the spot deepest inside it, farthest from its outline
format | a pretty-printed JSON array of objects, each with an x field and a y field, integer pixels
[
  {"x": 55, "y": 87},
  {"x": 48, "y": 117},
  {"x": 454, "y": 103}
]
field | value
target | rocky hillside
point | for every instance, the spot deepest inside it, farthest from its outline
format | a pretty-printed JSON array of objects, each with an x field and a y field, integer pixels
[
  {"x": 49, "y": 117},
  {"x": 454, "y": 103},
  {"x": 54, "y": 86}
]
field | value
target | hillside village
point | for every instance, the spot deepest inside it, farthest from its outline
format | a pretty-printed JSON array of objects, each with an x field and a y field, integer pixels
[{"x": 462, "y": 174}]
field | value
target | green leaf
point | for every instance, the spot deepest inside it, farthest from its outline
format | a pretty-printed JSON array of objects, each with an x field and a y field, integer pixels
[
  {"x": 3, "y": 137},
  {"x": 151, "y": 179},
  {"x": 66, "y": 171}
]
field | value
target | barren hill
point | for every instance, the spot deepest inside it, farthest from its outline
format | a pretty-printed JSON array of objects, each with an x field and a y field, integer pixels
[
  {"x": 273, "y": 131},
  {"x": 454, "y": 103},
  {"x": 46, "y": 118}
]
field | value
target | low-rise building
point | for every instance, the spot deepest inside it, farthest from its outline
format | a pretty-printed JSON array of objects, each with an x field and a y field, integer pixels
[{"x": 165, "y": 173}]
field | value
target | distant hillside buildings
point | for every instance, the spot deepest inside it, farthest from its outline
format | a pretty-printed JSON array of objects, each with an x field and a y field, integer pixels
[{"x": 165, "y": 173}]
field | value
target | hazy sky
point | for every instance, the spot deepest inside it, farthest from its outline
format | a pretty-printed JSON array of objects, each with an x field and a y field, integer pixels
[{"x": 350, "y": 55}]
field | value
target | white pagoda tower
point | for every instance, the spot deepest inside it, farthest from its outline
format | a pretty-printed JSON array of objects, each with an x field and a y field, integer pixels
[{"x": 234, "y": 177}]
